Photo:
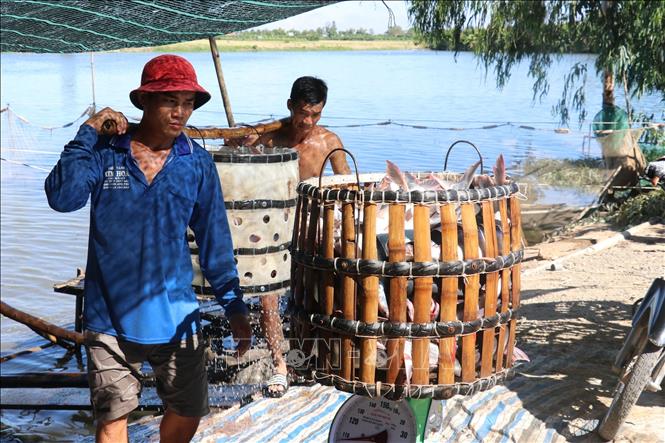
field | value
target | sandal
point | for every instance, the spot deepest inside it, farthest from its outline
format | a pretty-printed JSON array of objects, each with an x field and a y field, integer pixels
[{"x": 276, "y": 380}]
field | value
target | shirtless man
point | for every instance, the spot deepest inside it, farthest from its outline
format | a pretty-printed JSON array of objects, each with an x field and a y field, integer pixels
[{"x": 313, "y": 143}]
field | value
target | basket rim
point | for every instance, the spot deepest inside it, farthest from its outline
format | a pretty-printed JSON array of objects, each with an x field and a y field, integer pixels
[
  {"x": 242, "y": 154},
  {"x": 307, "y": 188}
]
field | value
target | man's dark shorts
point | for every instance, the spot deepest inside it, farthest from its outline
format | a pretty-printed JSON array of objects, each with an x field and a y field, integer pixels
[{"x": 114, "y": 369}]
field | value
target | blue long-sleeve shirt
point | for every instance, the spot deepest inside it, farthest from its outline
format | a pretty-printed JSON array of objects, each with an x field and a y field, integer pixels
[{"x": 139, "y": 270}]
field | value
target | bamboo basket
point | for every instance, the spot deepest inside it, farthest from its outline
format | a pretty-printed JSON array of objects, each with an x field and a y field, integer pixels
[
  {"x": 260, "y": 198},
  {"x": 340, "y": 263}
]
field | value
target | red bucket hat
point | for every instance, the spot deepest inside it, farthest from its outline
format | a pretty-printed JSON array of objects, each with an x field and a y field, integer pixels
[{"x": 169, "y": 73}]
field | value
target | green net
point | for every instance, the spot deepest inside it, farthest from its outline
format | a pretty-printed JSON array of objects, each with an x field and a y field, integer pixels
[
  {"x": 610, "y": 118},
  {"x": 96, "y": 25},
  {"x": 617, "y": 140}
]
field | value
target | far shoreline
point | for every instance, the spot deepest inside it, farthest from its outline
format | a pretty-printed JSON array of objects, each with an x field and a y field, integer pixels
[{"x": 241, "y": 45}]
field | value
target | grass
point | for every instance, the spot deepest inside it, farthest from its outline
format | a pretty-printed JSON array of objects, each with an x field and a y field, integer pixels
[
  {"x": 231, "y": 45},
  {"x": 652, "y": 151},
  {"x": 565, "y": 172},
  {"x": 639, "y": 209}
]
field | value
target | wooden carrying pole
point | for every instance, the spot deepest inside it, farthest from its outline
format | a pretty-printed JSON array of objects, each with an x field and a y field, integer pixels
[
  {"x": 242, "y": 131},
  {"x": 110, "y": 129},
  {"x": 220, "y": 79}
]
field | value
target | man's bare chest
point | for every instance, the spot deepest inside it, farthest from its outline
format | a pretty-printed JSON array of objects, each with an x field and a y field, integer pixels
[{"x": 149, "y": 162}]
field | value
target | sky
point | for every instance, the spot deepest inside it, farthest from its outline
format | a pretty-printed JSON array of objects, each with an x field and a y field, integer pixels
[{"x": 368, "y": 14}]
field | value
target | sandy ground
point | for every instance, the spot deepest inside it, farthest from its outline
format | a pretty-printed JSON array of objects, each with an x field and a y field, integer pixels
[{"x": 576, "y": 311}]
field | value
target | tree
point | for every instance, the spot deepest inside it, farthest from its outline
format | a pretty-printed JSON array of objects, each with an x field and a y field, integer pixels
[
  {"x": 330, "y": 30},
  {"x": 395, "y": 31},
  {"x": 628, "y": 38}
]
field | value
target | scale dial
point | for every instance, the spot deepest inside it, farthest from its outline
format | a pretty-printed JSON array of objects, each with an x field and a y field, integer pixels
[{"x": 373, "y": 420}]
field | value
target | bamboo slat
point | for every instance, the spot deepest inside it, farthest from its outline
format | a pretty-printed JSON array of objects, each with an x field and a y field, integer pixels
[
  {"x": 489, "y": 228},
  {"x": 422, "y": 293},
  {"x": 397, "y": 294},
  {"x": 515, "y": 243},
  {"x": 449, "y": 285},
  {"x": 298, "y": 284},
  {"x": 311, "y": 282},
  {"x": 471, "y": 290},
  {"x": 301, "y": 226},
  {"x": 348, "y": 286},
  {"x": 505, "y": 284},
  {"x": 369, "y": 301},
  {"x": 310, "y": 276},
  {"x": 327, "y": 291}
]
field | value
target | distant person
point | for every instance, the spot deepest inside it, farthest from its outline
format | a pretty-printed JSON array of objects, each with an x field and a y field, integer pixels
[
  {"x": 313, "y": 143},
  {"x": 301, "y": 132},
  {"x": 655, "y": 171},
  {"x": 146, "y": 186}
]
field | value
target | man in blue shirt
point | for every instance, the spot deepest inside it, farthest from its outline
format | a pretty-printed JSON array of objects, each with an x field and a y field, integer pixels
[{"x": 146, "y": 186}]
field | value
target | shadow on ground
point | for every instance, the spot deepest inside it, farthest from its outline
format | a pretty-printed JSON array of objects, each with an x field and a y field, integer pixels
[{"x": 572, "y": 346}]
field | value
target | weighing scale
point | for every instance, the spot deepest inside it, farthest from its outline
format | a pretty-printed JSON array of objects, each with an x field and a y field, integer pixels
[{"x": 379, "y": 420}]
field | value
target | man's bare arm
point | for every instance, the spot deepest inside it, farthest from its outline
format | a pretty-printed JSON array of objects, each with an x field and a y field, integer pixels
[{"x": 338, "y": 159}]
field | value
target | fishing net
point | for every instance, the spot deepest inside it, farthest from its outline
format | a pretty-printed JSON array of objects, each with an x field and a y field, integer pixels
[
  {"x": 85, "y": 25},
  {"x": 617, "y": 140},
  {"x": 610, "y": 118},
  {"x": 29, "y": 150}
]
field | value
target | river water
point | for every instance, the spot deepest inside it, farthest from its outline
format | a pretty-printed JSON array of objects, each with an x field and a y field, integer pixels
[{"x": 429, "y": 100}]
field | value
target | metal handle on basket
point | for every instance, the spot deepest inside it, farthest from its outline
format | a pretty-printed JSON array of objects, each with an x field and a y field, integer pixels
[
  {"x": 445, "y": 163},
  {"x": 358, "y": 192},
  {"x": 325, "y": 160},
  {"x": 256, "y": 131},
  {"x": 203, "y": 140}
]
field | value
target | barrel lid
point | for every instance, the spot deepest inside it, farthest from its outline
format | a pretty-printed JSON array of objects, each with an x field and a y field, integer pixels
[{"x": 243, "y": 154}]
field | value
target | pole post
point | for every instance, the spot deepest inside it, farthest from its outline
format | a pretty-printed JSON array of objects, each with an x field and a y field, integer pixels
[
  {"x": 92, "y": 77},
  {"x": 220, "y": 79}
]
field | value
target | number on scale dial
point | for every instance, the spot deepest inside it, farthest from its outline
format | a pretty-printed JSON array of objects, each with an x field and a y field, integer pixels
[{"x": 373, "y": 420}]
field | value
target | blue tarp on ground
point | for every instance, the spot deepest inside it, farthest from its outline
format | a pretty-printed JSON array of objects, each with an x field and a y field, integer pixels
[{"x": 305, "y": 414}]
